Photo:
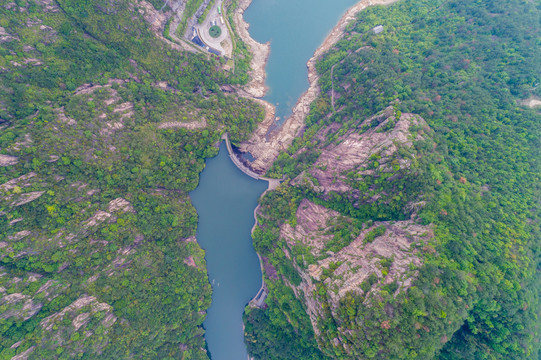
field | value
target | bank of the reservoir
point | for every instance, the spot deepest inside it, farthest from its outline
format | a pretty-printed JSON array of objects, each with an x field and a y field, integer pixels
[
  {"x": 256, "y": 86},
  {"x": 225, "y": 200},
  {"x": 265, "y": 147}
]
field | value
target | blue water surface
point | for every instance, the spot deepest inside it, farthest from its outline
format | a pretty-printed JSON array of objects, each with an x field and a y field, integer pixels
[
  {"x": 225, "y": 201},
  {"x": 226, "y": 198},
  {"x": 295, "y": 28}
]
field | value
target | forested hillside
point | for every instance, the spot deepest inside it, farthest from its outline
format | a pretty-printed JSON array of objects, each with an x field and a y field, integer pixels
[
  {"x": 409, "y": 227},
  {"x": 103, "y": 132}
]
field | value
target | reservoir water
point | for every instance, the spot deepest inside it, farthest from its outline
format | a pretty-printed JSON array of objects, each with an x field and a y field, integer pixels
[
  {"x": 226, "y": 198},
  {"x": 225, "y": 201},
  {"x": 295, "y": 28}
]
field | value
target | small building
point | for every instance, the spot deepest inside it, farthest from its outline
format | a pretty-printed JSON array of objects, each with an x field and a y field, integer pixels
[{"x": 378, "y": 29}]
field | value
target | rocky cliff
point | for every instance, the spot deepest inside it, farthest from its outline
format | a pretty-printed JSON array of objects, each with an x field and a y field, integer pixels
[{"x": 336, "y": 256}]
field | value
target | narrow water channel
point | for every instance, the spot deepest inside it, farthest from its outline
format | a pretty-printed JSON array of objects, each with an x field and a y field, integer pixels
[
  {"x": 225, "y": 201},
  {"x": 295, "y": 28},
  {"x": 226, "y": 198}
]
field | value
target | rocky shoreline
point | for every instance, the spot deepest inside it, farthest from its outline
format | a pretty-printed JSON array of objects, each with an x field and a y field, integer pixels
[
  {"x": 263, "y": 146},
  {"x": 260, "y": 53}
]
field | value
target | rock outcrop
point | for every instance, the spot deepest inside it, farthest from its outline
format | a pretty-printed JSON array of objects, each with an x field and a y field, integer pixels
[
  {"x": 339, "y": 257},
  {"x": 260, "y": 52},
  {"x": 388, "y": 257},
  {"x": 356, "y": 149},
  {"x": 265, "y": 145}
]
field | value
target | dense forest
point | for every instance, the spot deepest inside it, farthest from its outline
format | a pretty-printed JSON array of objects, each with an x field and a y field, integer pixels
[
  {"x": 444, "y": 86},
  {"x": 407, "y": 226},
  {"x": 103, "y": 132}
]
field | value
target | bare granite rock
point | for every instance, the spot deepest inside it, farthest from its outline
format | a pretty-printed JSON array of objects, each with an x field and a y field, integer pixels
[
  {"x": 353, "y": 151},
  {"x": 346, "y": 270},
  {"x": 120, "y": 204},
  {"x": 19, "y": 306},
  {"x": 260, "y": 52},
  {"x": 85, "y": 301},
  {"x": 263, "y": 146},
  {"x": 8, "y": 160}
]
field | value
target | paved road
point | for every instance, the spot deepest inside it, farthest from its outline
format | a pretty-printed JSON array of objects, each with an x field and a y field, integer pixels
[{"x": 203, "y": 29}]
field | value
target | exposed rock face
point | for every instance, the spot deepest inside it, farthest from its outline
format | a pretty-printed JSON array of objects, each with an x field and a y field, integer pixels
[
  {"x": 5, "y": 36},
  {"x": 83, "y": 302},
  {"x": 49, "y": 6},
  {"x": 192, "y": 125},
  {"x": 24, "y": 355},
  {"x": 28, "y": 299},
  {"x": 7, "y": 160},
  {"x": 12, "y": 192},
  {"x": 387, "y": 256},
  {"x": 28, "y": 197},
  {"x": 531, "y": 102},
  {"x": 338, "y": 257},
  {"x": 263, "y": 146},
  {"x": 260, "y": 53},
  {"x": 354, "y": 151},
  {"x": 90, "y": 88},
  {"x": 312, "y": 227},
  {"x": 19, "y": 306},
  {"x": 97, "y": 218},
  {"x": 155, "y": 18},
  {"x": 21, "y": 181},
  {"x": 120, "y": 204},
  {"x": 360, "y": 259}
]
